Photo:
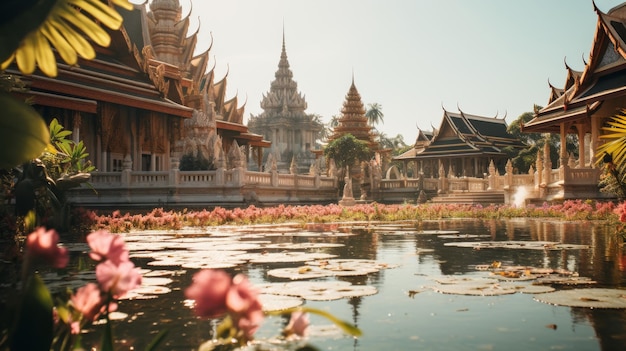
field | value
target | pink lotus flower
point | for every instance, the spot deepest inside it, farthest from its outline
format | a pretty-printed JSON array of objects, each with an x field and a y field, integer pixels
[
  {"x": 298, "y": 324},
  {"x": 215, "y": 294},
  {"x": 105, "y": 245},
  {"x": 250, "y": 321},
  {"x": 117, "y": 279},
  {"x": 88, "y": 300},
  {"x": 241, "y": 295},
  {"x": 45, "y": 245},
  {"x": 209, "y": 289}
]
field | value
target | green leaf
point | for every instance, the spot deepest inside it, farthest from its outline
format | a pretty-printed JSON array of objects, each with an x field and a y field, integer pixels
[
  {"x": 345, "y": 326},
  {"x": 23, "y": 133},
  {"x": 33, "y": 325},
  {"x": 107, "y": 337},
  {"x": 157, "y": 340}
]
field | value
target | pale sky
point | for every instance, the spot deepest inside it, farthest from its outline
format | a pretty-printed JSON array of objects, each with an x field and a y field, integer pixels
[{"x": 488, "y": 57}]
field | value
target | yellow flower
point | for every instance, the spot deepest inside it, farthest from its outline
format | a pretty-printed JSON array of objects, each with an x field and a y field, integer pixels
[{"x": 64, "y": 28}]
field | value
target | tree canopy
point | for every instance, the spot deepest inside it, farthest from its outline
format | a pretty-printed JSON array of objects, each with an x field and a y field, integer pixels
[{"x": 347, "y": 150}]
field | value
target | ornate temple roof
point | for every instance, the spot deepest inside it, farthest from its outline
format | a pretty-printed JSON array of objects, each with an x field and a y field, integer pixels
[
  {"x": 462, "y": 134},
  {"x": 171, "y": 60},
  {"x": 602, "y": 78},
  {"x": 283, "y": 106},
  {"x": 353, "y": 120},
  {"x": 115, "y": 76},
  {"x": 283, "y": 97}
]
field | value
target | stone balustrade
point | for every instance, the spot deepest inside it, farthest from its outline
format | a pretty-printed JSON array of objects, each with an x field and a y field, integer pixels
[
  {"x": 239, "y": 186},
  {"x": 221, "y": 187}
]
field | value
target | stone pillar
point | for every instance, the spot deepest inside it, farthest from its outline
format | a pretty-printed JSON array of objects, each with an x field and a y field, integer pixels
[
  {"x": 492, "y": 176},
  {"x": 509, "y": 174},
  {"x": 219, "y": 176},
  {"x": 174, "y": 171},
  {"x": 239, "y": 176},
  {"x": 581, "y": 147},
  {"x": 563, "y": 158},
  {"x": 539, "y": 172},
  {"x": 443, "y": 181},
  {"x": 127, "y": 168}
]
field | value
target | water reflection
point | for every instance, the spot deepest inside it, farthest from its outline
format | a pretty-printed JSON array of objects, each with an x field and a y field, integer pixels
[{"x": 395, "y": 319}]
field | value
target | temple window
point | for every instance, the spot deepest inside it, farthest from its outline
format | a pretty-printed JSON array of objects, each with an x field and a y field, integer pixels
[
  {"x": 146, "y": 162},
  {"x": 117, "y": 162}
]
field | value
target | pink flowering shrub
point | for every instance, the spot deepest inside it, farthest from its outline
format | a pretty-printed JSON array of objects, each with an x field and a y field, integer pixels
[
  {"x": 216, "y": 294},
  {"x": 116, "y": 275},
  {"x": 298, "y": 325},
  {"x": 43, "y": 245},
  {"x": 160, "y": 219},
  {"x": 236, "y": 301}
]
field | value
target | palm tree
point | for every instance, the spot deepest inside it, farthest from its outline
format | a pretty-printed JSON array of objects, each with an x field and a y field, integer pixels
[
  {"x": 374, "y": 113},
  {"x": 334, "y": 121},
  {"x": 613, "y": 155}
]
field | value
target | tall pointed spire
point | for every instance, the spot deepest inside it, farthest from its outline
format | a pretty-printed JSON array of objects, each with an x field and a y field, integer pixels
[
  {"x": 353, "y": 120},
  {"x": 284, "y": 120},
  {"x": 283, "y": 95}
]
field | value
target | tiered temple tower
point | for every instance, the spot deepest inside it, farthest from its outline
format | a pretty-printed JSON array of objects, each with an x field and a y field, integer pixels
[
  {"x": 285, "y": 123},
  {"x": 353, "y": 120}
]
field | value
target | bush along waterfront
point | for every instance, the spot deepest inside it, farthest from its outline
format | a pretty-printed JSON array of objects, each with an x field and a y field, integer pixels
[{"x": 162, "y": 219}]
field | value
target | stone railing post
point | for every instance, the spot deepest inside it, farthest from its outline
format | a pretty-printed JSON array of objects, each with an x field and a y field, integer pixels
[
  {"x": 239, "y": 176},
  {"x": 219, "y": 177},
  {"x": 539, "y": 171},
  {"x": 274, "y": 177},
  {"x": 174, "y": 171},
  {"x": 127, "y": 168},
  {"x": 508, "y": 176},
  {"x": 492, "y": 176}
]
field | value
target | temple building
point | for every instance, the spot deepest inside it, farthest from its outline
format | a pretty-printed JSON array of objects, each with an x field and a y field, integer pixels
[
  {"x": 284, "y": 122},
  {"x": 353, "y": 121},
  {"x": 465, "y": 145},
  {"x": 146, "y": 99},
  {"x": 582, "y": 107},
  {"x": 365, "y": 176}
]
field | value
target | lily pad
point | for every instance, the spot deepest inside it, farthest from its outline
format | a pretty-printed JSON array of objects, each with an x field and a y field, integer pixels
[
  {"x": 284, "y": 257},
  {"x": 330, "y": 268},
  {"x": 301, "y": 246},
  {"x": 475, "y": 289},
  {"x": 463, "y": 236},
  {"x": 528, "y": 288},
  {"x": 318, "y": 291},
  {"x": 528, "y": 245},
  {"x": 567, "y": 280},
  {"x": 589, "y": 298},
  {"x": 272, "y": 302}
]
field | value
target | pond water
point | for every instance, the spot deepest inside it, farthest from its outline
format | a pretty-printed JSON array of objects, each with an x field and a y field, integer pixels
[{"x": 407, "y": 311}]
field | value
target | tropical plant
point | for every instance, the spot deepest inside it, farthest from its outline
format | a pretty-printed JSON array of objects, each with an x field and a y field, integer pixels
[
  {"x": 522, "y": 159},
  {"x": 189, "y": 162},
  {"x": 374, "y": 114},
  {"x": 35, "y": 27},
  {"x": 612, "y": 154},
  {"x": 347, "y": 150},
  {"x": 41, "y": 183},
  {"x": 69, "y": 158},
  {"x": 29, "y": 30}
]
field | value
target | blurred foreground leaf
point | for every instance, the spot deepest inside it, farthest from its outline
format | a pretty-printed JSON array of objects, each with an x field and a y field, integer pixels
[
  {"x": 23, "y": 133},
  {"x": 33, "y": 326}
]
